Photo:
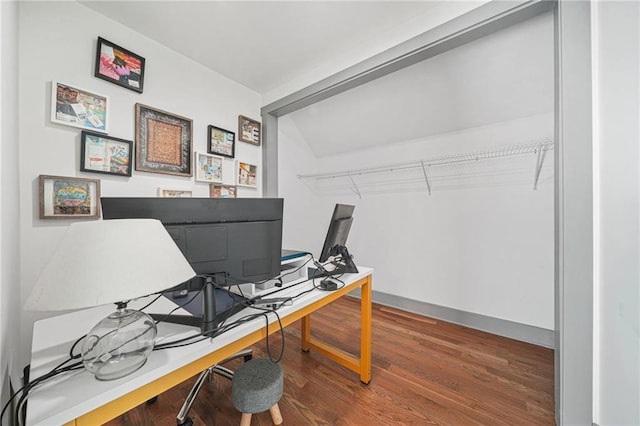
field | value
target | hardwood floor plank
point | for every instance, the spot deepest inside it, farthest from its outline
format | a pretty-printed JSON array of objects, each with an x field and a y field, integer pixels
[{"x": 425, "y": 372}]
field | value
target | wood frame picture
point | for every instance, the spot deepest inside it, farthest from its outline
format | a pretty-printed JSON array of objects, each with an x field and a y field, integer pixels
[
  {"x": 174, "y": 193},
  {"x": 246, "y": 174},
  {"x": 119, "y": 66},
  {"x": 249, "y": 130},
  {"x": 163, "y": 142},
  {"x": 208, "y": 167},
  {"x": 222, "y": 191},
  {"x": 105, "y": 154},
  {"x": 221, "y": 142},
  {"x": 63, "y": 197},
  {"x": 80, "y": 108}
]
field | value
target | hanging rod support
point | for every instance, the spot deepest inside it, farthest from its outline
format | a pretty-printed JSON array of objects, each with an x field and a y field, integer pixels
[
  {"x": 426, "y": 177},
  {"x": 539, "y": 161},
  {"x": 355, "y": 187}
]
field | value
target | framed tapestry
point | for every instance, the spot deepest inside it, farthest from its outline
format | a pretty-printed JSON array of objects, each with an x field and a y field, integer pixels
[{"x": 163, "y": 142}]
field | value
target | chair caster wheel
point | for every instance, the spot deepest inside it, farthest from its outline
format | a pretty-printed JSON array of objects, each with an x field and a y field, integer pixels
[{"x": 187, "y": 422}]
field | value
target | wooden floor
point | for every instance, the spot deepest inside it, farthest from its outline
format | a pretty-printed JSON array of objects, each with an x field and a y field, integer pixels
[{"x": 425, "y": 372}]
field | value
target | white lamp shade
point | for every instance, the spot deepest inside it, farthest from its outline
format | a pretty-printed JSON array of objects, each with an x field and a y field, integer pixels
[{"x": 109, "y": 261}]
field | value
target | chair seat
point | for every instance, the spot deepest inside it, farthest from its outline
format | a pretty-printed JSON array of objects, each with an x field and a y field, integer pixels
[{"x": 257, "y": 385}]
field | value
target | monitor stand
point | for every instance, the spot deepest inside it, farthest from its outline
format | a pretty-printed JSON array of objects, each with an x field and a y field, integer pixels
[
  {"x": 343, "y": 266},
  {"x": 209, "y": 317}
]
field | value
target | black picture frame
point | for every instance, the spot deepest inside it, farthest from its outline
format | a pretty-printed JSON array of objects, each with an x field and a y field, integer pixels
[
  {"x": 221, "y": 142},
  {"x": 120, "y": 66},
  {"x": 104, "y": 154}
]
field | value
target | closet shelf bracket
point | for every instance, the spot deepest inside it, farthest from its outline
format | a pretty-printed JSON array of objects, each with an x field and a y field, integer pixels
[
  {"x": 542, "y": 151},
  {"x": 355, "y": 187},
  {"x": 426, "y": 177}
]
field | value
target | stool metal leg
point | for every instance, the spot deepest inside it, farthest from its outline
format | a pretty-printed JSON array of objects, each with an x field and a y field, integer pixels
[{"x": 183, "y": 414}]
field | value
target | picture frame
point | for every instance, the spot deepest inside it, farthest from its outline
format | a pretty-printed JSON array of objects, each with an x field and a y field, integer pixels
[
  {"x": 249, "y": 130},
  {"x": 163, "y": 142},
  {"x": 100, "y": 153},
  {"x": 62, "y": 197},
  {"x": 174, "y": 193},
  {"x": 222, "y": 191},
  {"x": 119, "y": 66},
  {"x": 79, "y": 108},
  {"x": 208, "y": 167},
  {"x": 246, "y": 174},
  {"x": 221, "y": 142}
]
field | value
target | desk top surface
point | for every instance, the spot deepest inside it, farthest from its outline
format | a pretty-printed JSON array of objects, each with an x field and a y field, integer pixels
[{"x": 70, "y": 395}]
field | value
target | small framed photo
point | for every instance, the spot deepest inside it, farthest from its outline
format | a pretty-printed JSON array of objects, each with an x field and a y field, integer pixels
[
  {"x": 174, "y": 193},
  {"x": 208, "y": 168},
  {"x": 222, "y": 191},
  {"x": 246, "y": 174},
  {"x": 79, "y": 108},
  {"x": 163, "y": 142},
  {"x": 118, "y": 65},
  {"x": 105, "y": 154},
  {"x": 248, "y": 130},
  {"x": 68, "y": 197},
  {"x": 221, "y": 142}
]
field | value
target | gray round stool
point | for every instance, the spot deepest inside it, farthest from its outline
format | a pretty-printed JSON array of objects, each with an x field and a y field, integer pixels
[{"x": 256, "y": 387}]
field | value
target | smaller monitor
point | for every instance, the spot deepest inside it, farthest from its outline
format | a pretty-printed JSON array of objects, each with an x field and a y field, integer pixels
[{"x": 336, "y": 239}]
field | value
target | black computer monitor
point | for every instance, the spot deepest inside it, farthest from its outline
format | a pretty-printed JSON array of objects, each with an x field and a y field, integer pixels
[
  {"x": 336, "y": 239},
  {"x": 227, "y": 241}
]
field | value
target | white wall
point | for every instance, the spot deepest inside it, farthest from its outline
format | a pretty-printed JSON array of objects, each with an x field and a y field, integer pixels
[
  {"x": 57, "y": 42},
  {"x": 617, "y": 299},
  {"x": 486, "y": 250},
  {"x": 9, "y": 208}
]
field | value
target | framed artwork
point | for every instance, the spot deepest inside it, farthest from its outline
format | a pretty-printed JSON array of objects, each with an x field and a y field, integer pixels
[
  {"x": 208, "y": 168},
  {"x": 119, "y": 65},
  {"x": 68, "y": 197},
  {"x": 174, "y": 193},
  {"x": 248, "y": 130},
  {"x": 246, "y": 174},
  {"x": 222, "y": 191},
  {"x": 221, "y": 142},
  {"x": 79, "y": 108},
  {"x": 163, "y": 142},
  {"x": 105, "y": 154}
]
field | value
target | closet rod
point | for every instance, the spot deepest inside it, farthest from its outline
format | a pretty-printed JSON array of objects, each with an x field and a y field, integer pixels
[{"x": 508, "y": 151}]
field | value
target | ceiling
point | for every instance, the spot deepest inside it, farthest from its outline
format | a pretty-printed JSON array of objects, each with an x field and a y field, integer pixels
[{"x": 264, "y": 45}]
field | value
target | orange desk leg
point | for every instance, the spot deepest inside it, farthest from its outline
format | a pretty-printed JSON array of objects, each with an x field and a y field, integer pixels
[
  {"x": 365, "y": 332},
  {"x": 305, "y": 333}
]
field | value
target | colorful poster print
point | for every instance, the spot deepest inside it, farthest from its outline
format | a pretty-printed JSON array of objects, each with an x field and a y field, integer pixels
[
  {"x": 78, "y": 108},
  {"x": 68, "y": 197},
  {"x": 118, "y": 65}
]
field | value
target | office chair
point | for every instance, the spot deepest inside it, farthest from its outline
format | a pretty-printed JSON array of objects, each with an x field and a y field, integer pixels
[{"x": 183, "y": 418}]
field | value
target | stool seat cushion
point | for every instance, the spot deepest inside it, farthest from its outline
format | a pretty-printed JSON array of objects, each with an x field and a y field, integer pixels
[{"x": 256, "y": 385}]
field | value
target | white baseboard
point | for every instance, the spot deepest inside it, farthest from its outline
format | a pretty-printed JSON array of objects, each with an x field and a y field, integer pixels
[{"x": 513, "y": 330}]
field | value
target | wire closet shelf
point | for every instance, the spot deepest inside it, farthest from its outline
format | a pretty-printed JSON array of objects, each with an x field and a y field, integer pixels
[{"x": 464, "y": 170}]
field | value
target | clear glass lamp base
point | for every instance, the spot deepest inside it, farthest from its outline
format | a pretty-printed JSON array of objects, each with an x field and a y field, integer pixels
[{"x": 119, "y": 344}]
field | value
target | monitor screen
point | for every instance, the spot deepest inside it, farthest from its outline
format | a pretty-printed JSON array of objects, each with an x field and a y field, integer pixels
[
  {"x": 338, "y": 230},
  {"x": 229, "y": 240}
]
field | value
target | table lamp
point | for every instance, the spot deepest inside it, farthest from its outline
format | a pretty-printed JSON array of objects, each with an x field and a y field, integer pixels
[{"x": 111, "y": 261}]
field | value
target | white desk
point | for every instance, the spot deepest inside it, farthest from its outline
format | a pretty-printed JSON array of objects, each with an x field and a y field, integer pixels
[{"x": 77, "y": 398}]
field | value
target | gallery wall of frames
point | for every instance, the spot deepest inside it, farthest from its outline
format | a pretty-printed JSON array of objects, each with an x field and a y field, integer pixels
[{"x": 162, "y": 141}]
